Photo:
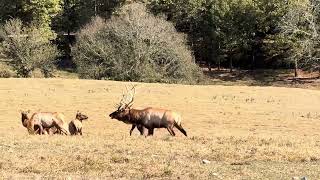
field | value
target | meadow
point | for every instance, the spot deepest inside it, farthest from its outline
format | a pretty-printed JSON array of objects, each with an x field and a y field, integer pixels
[{"x": 245, "y": 132}]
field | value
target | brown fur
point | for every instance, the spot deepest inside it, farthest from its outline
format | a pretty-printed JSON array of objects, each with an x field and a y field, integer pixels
[
  {"x": 150, "y": 118},
  {"x": 47, "y": 120},
  {"x": 140, "y": 127},
  {"x": 75, "y": 126},
  {"x": 25, "y": 119}
]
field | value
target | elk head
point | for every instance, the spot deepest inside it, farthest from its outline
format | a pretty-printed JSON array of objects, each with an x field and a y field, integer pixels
[
  {"x": 124, "y": 106},
  {"x": 25, "y": 117},
  {"x": 81, "y": 116}
]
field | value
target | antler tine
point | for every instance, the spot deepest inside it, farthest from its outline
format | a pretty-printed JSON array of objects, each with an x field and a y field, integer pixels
[
  {"x": 127, "y": 88},
  {"x": 132, "y": 96},
  {"x": 122, "y": 101}
]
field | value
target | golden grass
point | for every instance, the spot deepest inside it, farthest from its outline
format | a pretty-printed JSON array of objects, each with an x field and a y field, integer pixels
[{"x": 246, "y": 132}]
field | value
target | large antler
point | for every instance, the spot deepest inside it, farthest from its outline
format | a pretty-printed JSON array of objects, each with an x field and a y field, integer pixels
[
  {"x": 133, "y": 92},
  {"x": 127, "y": 99}
]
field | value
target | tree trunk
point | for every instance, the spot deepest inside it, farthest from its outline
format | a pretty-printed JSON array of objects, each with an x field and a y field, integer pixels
[
  {"x": 252, "y": 62},
  {"x": 95, "y": 8},
  {"x": 295, "y": 68},
  {"x": 209, "y": 66},
  {"x": 231, "y": 66},
  {"x": 219, "y": 65}
]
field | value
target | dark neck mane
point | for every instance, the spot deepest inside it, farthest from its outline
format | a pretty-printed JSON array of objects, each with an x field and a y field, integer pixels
[
  {"x": 134, "y": 115},
  {"x": 24, "y": 120}
]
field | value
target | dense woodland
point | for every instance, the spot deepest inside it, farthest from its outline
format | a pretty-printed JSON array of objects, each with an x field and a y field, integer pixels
[{"x": 103, "y": 39}]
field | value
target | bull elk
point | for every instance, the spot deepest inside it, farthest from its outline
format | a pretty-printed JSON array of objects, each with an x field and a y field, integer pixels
[
  {"x": 45, "y": 120},
  {"x": 150, "y": 118}
]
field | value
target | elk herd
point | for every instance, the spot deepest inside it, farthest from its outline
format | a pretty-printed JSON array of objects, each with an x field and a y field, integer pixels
[{"x": 143, "y": 119}]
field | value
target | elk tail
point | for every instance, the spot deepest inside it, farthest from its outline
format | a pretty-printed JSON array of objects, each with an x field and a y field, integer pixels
[{"x": 178, "y": 126}]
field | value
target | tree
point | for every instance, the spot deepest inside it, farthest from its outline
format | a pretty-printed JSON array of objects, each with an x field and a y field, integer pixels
[
  {"x": 28, "y": 48},
  {"x": 299, "y": 33},
  {"x": 134, "y": 45},
  {"x": 312, "y": 63},
  {"x": 38, "y": 13}
]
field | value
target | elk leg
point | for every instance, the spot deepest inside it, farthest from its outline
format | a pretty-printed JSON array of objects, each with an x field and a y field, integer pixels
[
  {"x": 169, "y": 131},
  {"x": 41, "y": 129},
  {"x": 61, "y": 128},
  {"x": 133, "y": 126},
  {"x": 36, "y": 130},
  {"x": 141, "y": 129},
  {"x": 150, "y": 131},
  {"x": 172, "y": 133}
]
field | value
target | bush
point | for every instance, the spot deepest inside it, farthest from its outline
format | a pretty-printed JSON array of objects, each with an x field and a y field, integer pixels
[
  {"x": 28, "y": 48},
  {"x": 134, "y": 46},
  {"x": 5, "y": 73},
  {"x": 6, "y": 70}
]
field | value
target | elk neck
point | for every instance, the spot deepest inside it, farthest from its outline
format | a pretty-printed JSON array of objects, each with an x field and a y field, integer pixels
[
  {"x": 135, "y": 115},
  {"x": 24, "y": 121}
]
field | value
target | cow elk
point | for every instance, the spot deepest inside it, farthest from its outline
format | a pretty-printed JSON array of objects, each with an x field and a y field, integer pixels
[
  {"x": 25, "y": 119},
  {"x": 75, "y": 126},
  {"x": 40, "y": 121},
  {"x": 150, "y": 118}
]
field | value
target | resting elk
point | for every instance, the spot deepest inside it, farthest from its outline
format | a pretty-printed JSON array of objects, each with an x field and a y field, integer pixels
[
  {"x": 150, "y": 118},
  {"x": 45, "y": 120}
]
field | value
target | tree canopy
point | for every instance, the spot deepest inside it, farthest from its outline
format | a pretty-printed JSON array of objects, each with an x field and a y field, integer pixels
[{"x": 240, "y": 33}]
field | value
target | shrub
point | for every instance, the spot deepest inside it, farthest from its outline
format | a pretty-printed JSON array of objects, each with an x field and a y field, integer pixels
[
  {"x": 28, "y": 48},
  {"x": 6, "y": 70},
  {"x": 4, "y": 73},
  {"x": 134, "y": 45}
]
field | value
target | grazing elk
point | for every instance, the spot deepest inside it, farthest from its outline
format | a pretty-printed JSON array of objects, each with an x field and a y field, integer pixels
[
  {"x": 149, "y": 118},
  {"x": 75, "y": 126},
  {"x": 45, "y": 120}
]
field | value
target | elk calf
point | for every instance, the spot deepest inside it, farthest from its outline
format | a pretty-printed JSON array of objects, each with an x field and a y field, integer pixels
[{"x": 75, "y": 126}]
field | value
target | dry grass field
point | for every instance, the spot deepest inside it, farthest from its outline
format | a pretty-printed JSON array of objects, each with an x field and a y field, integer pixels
[{"x": 245, "y": 132}]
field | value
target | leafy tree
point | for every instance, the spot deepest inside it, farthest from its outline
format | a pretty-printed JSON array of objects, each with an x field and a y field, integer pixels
[
  {"x": 76, "y": 13},
  {"x": 134, "y": 45},
  {"x": 28, "y": 48},
  {"x": 37, "y": 13}
]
